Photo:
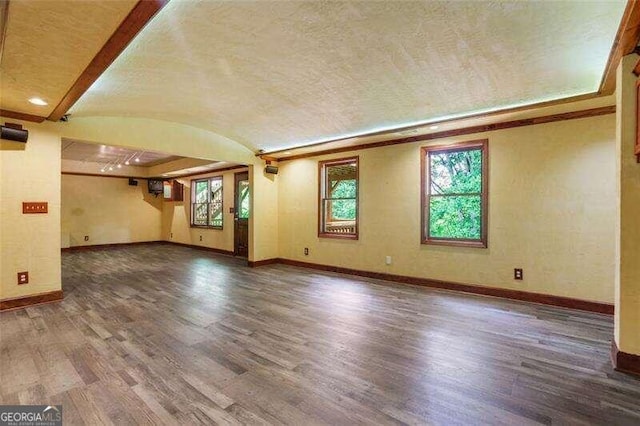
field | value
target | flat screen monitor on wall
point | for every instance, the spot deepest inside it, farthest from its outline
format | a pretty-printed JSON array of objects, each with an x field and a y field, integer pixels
[{"x": 155, "y": 186}]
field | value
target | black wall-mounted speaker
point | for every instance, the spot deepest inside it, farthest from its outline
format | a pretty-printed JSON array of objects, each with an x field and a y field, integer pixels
[
  {"x": 14, "y": 132},
  {"x": 133, "y": 182},
  {"x": 271, "y": 169}
]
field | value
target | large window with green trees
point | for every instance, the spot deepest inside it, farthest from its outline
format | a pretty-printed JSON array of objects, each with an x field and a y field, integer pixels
[
  {"x": 455, "y": 194},
  {"x": 338, "y": 198},
  {"x": 206, "y": 202}
]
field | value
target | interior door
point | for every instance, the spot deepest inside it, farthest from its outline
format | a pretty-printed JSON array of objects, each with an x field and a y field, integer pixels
[{"x": 242, "y": 212}]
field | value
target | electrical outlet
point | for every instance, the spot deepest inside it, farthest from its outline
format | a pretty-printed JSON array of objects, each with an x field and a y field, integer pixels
[
  {"x": 23, "y": 278},
  {"x": 387, "y": 260},
  {"x": 86, "y": 238},
  {"x": 306, "y": 251},
  {"x": 518, "y": 274},
  {"x": 200, "y": 237}
]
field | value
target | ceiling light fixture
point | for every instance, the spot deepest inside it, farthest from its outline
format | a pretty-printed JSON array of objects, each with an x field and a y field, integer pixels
[
  {"x": 127, "y": 159},
  {"x": 38, "y": 101},
  {"x": 433, "y": 127},
  {"x": 120, "y": 161}
]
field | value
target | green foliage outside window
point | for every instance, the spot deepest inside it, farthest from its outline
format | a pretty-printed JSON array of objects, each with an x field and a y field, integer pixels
[
  {"x": 455, "y": 201},
  {"x": 215, "y": 205},
  {"x": 344, "y": 209},
  {"x": 455, "y": 217},
  {"x": 201, "y": 191},
  {"x": 243, "y": 200},
  {"x": 339, "y": 198}
]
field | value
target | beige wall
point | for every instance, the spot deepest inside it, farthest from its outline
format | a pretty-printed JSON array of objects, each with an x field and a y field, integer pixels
[
  {"x": 109, "y": 211},
  {"x": 264, "y": 222},
  {"x": 30, "y": 172},
  {"x": 551, "y": 212},
  {"x": 2, "y": 222},
  {"x": 627, "y": 271},
  {"x": 176, "y": 216}
]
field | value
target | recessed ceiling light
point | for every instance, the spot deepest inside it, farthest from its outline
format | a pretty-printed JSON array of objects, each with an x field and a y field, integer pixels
[
  {"x": 119, "y": 166},
  {"x": 287, "y": 152},
  {"x": 110, "y": 167},
  {"x": 433, "y": 127},
  {"x": 126, "y": 163},
  {"x": 38, "y": 101},
  {"x": 137, "y": 160}
]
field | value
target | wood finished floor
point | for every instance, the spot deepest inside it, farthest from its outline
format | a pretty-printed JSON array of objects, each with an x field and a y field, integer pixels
[{"x": 166, "y": 334}]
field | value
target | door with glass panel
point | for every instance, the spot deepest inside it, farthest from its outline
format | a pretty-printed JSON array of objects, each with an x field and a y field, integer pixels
[{"x": 242, "y": 212}]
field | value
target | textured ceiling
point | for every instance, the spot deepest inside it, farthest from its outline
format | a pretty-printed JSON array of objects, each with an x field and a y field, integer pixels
[
  {"x": 278, "y": 74},
  {"x": 47, "y": 46},
  {"x": 557, "y": 109}
]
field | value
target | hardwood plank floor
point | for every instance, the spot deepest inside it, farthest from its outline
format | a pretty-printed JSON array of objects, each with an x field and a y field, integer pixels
[{"x": 163, "y": 334}]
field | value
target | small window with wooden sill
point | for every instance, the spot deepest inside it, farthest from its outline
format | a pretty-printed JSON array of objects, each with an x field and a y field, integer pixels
[
  {"x": 206, "y": 203},
  {"x": 338, "y": 198}
]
